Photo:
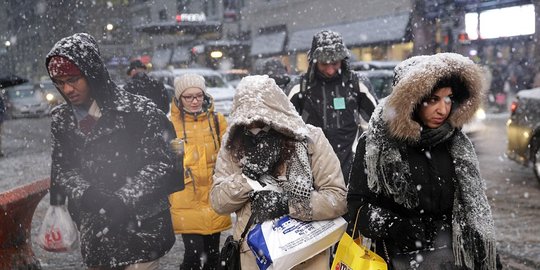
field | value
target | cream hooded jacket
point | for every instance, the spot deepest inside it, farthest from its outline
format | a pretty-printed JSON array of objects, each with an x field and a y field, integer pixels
[{"x": 258, "y": 98}]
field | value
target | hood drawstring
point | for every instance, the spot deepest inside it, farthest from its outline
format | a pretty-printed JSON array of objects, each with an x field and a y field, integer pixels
[{"x": 211, "y": 130}]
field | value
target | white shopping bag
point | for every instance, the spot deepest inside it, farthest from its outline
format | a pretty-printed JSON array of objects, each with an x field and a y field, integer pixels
[
  {"x": 58, "y": 232},
  {"x": 286, "y": 242}
]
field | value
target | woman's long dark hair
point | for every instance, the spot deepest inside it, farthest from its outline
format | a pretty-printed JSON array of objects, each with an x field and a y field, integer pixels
[{"x": 236, "y": 147}]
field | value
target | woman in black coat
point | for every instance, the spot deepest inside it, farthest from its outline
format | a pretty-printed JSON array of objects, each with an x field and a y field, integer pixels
[{"x": 415, "y": 186}]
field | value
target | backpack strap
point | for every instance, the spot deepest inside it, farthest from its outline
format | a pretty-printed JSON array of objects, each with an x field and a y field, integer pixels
[
  {"x": 302, "y": 99},
  {"x": 216, "y": 125}
]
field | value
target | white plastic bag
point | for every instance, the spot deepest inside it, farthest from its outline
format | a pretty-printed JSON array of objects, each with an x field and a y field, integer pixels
[
  {"x": 286, "y": 242},
  {"x": 58, "y": 232}
]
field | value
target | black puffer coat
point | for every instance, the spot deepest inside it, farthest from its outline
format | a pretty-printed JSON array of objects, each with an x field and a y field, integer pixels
[
  {"x": 142, "y": 84},
  {"x": 126, "y": 153}
]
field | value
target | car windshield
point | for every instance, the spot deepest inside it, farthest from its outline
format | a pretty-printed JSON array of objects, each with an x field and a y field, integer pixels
[
  {"x": 21, "y": 92},
  {"x": 214, "y": 81},
  {"x": 234, "y": 76},
  {"x": 382, "y": 86}
]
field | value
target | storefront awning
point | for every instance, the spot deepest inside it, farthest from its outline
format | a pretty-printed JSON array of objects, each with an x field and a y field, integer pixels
[
  {"x": 268, "y": 44},
  {"x": 390, "y": 28},
  {"x": 192, "y": 28}
]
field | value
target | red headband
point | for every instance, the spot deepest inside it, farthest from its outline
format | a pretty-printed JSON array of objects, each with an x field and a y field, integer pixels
[{"x": 62, "y": 66}]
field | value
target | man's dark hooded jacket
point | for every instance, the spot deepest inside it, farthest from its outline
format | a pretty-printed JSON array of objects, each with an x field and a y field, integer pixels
[{"x": 125, "y": 154}]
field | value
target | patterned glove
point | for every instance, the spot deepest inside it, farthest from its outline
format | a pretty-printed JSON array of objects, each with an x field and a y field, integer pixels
[{"x": 268, "y": 204}]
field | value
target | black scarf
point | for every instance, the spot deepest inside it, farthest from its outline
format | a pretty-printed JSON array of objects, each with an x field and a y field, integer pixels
[{"x": 430, "y": 137}]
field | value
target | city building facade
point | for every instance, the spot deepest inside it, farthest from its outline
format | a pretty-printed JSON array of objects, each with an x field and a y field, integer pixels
[{"x": 225, "y": 34}]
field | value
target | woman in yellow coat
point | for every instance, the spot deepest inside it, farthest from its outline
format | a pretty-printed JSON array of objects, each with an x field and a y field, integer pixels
[{"x": 201, "y": 128}]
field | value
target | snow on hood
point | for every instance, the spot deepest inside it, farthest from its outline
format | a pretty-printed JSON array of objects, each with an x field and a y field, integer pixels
[
  {"x": 415, "y": 78},
  {"x": 82, "y": 49},
  {"x": 258, "y": 98}
]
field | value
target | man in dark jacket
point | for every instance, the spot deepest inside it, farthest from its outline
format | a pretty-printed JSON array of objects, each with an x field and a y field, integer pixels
[
  {"x": 142, "y": 84},
  {"x": 332, "y": 97},
  {"x": 110, "y": 159}
]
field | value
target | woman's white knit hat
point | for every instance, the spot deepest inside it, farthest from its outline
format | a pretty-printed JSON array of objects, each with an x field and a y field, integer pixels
[{"x": 186, "y": 81}]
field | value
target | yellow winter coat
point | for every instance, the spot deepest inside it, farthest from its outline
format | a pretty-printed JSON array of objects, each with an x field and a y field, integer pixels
[{"x": 190, "y": 208}]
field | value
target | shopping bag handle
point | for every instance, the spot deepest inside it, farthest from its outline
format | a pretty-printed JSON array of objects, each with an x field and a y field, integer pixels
[{"x": 356, "y": 220}]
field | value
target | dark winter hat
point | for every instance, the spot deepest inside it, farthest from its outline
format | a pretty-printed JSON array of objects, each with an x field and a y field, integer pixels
[
  {"x": 62, "y": 66},
  {"x": 327, "y": 47},
  {"x": 134, "y": 65},
  {"x": 275, "y": 69}
]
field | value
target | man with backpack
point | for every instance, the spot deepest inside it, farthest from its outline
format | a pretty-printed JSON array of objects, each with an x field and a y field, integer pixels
[{"x": 333, "y": 97}]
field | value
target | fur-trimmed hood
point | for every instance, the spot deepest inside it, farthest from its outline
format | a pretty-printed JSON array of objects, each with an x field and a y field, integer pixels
[
  {"x": 415, "y": 78},
  {"x": 258, "y": 98}
]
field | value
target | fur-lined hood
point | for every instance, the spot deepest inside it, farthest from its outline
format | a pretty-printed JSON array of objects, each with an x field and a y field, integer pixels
[
  {"x": 414, "y": 80},
  {"x": 258, "y": 98}
]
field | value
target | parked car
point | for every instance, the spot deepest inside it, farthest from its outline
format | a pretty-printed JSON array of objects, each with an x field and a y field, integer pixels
[
  {"x": 234, "y": 76},
  {"x": 52, "y": 95},
  {"x": 217, "y": 87},
  {"x": 25, "y": 101},
  {"x": 523, "y": 130},
  {"x": 381, "y": 80}
]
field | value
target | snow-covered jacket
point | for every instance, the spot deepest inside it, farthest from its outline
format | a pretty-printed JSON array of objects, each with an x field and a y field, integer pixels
[
  {"x": 396, "y": 176},
  {"x": 335, "y": 106},
  {"x": 258, "y": 98},
  {"x": 125, "y": 153},
  {"x": 190, "y": 208}
]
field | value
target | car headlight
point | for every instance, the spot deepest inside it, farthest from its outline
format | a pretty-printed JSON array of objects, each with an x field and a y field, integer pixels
[
  {"x": 49, "y": 97},
  {"x": 480, "y": 114}
]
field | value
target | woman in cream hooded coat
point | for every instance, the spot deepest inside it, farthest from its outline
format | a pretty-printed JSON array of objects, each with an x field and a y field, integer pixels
[
  {"x": 415, "y": 184},
  {"x": 318, "y": 190}
]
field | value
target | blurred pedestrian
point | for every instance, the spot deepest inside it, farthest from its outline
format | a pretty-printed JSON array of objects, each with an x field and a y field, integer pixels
[
  {"x": 275, "y": 69},
  {"x": 2, "y": 113},
  {"x": 201, "y": 129},
  {"x": 333, "y": 97},
  {"x": 141, "y": 84},
  {"x": 268, "y": 144},
  {"x": 111, "y": 160},
  {"x": 415, "y": 180}
]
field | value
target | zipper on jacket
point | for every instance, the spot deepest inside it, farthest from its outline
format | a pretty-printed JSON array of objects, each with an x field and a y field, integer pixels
[
  {"x": 338, "y": 121},
  {"x": 325, "y": 122}
]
